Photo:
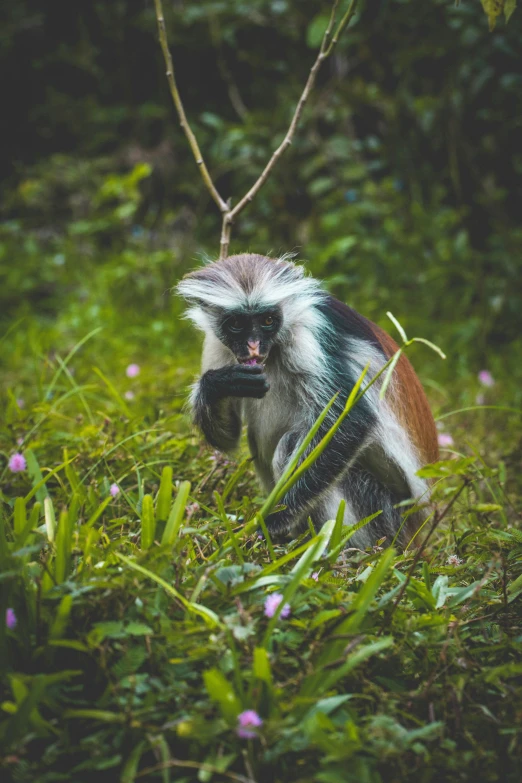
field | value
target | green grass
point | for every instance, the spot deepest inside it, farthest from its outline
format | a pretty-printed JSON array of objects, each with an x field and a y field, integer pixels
[{"x": 141, "y": 632}]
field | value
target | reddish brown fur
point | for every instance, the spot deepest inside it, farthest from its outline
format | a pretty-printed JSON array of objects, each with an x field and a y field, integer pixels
[{"x": 410, "y": 403}]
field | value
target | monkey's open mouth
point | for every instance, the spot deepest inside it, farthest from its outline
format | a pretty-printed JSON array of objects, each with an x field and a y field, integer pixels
[{"x": 252, "y": 362}]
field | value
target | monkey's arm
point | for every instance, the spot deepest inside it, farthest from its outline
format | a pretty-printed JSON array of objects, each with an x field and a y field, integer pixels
[
  {"x": 215, "y": 402},
  {"x": 351, "y": 437}
]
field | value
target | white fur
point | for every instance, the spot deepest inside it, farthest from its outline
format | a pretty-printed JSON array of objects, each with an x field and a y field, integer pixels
[{"x": 298, "y": 377}]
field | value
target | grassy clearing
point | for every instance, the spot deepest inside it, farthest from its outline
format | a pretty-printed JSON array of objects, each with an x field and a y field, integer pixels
[{"x": 139, "y": 591}]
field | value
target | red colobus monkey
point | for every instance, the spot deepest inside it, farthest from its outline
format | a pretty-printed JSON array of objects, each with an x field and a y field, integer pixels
[{"x": 277, "y": 348}]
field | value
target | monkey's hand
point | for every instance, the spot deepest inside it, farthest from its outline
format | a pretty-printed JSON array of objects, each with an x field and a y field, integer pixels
[{"x": 239, "y": 380}]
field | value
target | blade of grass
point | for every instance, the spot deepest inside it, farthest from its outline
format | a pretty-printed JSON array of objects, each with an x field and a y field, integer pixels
[
  {"x": 50, "y": 519},
  {"x": 232, "y": 536},
  {"x": 321, "y": 446},
  {"x": 319, "y": 682},
  {"x": 63, "y": 548},
  {"x": 208, "y": 615},
  {"x": 176, "y": 515},
  {"x": 337, "y": 531},
  {"x": 20, "y": 516},
  {"x": 164, "y": 499},
  {"x": 68, "y": 358},
  {"x": 148, "y": 522},
  {"x": 114, "y": 393},
  {"x": 315, "y": 549},
  {"x": 40, "y": 486}
]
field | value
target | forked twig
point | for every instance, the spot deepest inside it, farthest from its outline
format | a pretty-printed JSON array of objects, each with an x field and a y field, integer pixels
[{"x": 229, "y": 215}]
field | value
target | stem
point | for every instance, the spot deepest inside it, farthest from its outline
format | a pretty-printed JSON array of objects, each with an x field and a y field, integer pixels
[
  {"x": 327, "y": 46},
  {"x": 437, "y": 520},
  {"x": 181, "y": 111},
  {"x": 324, "y": 52}
]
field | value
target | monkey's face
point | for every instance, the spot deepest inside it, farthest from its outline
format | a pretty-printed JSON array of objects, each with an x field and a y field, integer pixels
[{"x": 250, "y": 336}]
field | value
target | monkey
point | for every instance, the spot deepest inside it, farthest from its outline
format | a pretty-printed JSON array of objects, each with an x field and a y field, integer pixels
[{"x": 277, "y": 348}]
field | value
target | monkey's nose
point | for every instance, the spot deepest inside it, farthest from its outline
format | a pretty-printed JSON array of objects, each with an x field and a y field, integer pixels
[{"x": 253, "y": 347}]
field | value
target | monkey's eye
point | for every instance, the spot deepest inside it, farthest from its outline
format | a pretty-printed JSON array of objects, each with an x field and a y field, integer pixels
[
  {"x": 268, "y": 322},
  {"x": 235, "y": 324}
]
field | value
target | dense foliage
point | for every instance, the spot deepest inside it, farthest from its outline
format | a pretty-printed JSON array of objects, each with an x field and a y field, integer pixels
[{"x": 133, "y": 594}]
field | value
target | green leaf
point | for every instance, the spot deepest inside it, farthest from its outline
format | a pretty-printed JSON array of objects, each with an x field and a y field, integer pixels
[
  {"x": 493, "y": 8},
  {"x": 138, "y": 629},
  {"x": 398, "y": 327},
  {"x": 63, "y": 548},
  {"x": 515, "y": 588},
  {"x": 176, "y": 515},
  {"x": 261, "y": 667},
  {"x": 207, "y": 614},
  {"x": 316, "y": 685},
  {"x": 50, "y": 518},
  {"x": 130, "y": 768},
  {"x": 164, "y": 498},
  {"x": 486, "y": 508},
  {"x": 148, "y": 522},
  {"x": 39, "y": 486},
  {"x": 337, "y": 531},
  {"x": 509, "y": 9},
  {"x": 20, "y": 516},
  {"x": 444, "y": 468},
  {"x": 61, "y": 617},
  {"x": 220, "y": 690},
  {"x": 316, "y": 30}
]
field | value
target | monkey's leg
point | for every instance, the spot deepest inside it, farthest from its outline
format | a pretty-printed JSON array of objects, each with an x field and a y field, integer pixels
[
  {"x": 351, "y": 437},
  {"x": 366, "y": 495}
]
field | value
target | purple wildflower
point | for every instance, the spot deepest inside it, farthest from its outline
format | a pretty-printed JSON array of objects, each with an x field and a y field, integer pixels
[
  {"x": 444, "y": 439},
  {"x": 20, "y": 402},
  {"x": 480, "y": 399},
  {"x": 132, "y": 370},
  {"x": 10, "y": 618},
  {"x": 129, "y": 395},
  {"x": 485, "y": 378},
  {"x": 114, "y": 490},
  {"x": 248, "y": 720},
  {"x": 17, "y": 463},
  {"x": 272, "y": 602},
  {"x": 315, "y": 576}
]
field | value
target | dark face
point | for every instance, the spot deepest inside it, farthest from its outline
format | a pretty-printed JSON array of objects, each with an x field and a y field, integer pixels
[{"x": 250, "y": 336}]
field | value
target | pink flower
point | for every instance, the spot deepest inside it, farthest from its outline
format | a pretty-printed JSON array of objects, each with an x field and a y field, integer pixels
[
  {"x": 17, "y": 463},
  {"x": 132, "y": 370},
  {"x": 453, "y": 560},
  {"x": 485, "y": 378},
  {"x": 10, "y": 618},
  {"x": 444, "y": 439},
  {"x": 20, "y": 403},
  {"x": 480, "y": 399},
  {"x": 248, "y": 720},
  {"x": 114, "y": 490},
  {"x": 315, "y": 576},
  {"x": 129, "y": 395},
  {"x": 272, "y": 602}
]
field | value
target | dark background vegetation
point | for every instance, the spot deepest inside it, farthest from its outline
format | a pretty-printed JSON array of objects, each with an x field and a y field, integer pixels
[
  {"x": 403, "y": 187},
  {"x": 402, "y": 190}
]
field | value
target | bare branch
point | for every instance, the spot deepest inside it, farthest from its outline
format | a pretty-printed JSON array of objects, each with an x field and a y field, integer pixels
[
  {"x": 327, "y": 46},
  {"x": 345, "y": 21},
  {"x": 325, "y": 51},
  {"x": 181, "y": 111}
]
